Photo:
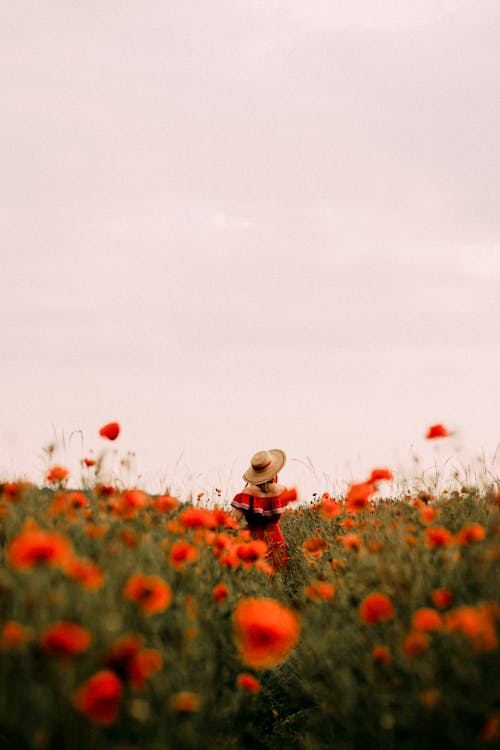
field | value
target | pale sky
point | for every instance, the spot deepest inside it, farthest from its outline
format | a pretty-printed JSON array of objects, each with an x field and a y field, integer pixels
[{"x": 233, "y": 225}]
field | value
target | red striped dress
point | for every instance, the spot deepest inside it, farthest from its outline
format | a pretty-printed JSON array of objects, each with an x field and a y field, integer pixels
[{"x": 262, "y": 514}]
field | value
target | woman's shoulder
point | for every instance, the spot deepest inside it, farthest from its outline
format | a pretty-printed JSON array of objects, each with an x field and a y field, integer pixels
[
  {"x": 263, "y": 504},
  {"x": 255, "y": 491}
]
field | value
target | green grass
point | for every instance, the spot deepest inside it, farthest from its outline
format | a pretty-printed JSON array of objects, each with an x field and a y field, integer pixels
[{"x": 328, "y": 693}]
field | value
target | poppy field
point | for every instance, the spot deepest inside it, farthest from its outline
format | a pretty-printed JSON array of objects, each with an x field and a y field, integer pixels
[{"x": 131, "y": 621}]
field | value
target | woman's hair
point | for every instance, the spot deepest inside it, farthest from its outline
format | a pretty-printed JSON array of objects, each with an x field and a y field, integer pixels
[{"x": 265, "y": 485}]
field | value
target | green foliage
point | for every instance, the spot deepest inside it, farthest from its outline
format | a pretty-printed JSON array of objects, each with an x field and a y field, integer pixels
[{"x": 329, "y": 693}]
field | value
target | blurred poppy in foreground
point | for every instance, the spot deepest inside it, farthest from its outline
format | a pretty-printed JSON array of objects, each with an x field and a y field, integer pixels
[
  {"x": 375, "y": 608},
  {"x": 151, "y": 593},
  {"x": 131, "y": 661},
  {"x": 198, "y": 518},
  {"x": 381, "y": 655},
  {"x": 351, "y": 541},
  {"x": 358, "y": 496},
  {"x": 329, "y": 508},
  {"x": 426, "y": 619},
  {"x": 110, "y": 431},
  {"x": 144, "y": 664},
  {"x": 86, "y": 572},
  {"x": 321, "y": 590},
  {"x": 35, "y": 546},
  {"x": 181, "y": 553},
  {"x": 13, "y": 635},
  {"x": 428, "y": 514},
  {"x": 380, "y": 474},
  {"x": 65, "y": 639},
  {"x": 248, "y": 682},
  {"x": 314, "y": 546},
  {"x": 219, "y": 592},
  {"x": 249, "y": 552},
  {"x": 437, "y": 431},
  {"x": 68, "y": 502},
  {"x": 165, "y": 503},
  {"x": 474, "y": 532},
  {"x": 265, "y": 632},
  {"x": 442, "y": 598},
  {"x": 13, "y": 491},
  {"x": 438, "y": 536},
  {"x": 100, "y": 697},
  {"x": 476, "y": 623},
  {"x": 415, "y": 644},
  {"x": 131, "y": 501}
]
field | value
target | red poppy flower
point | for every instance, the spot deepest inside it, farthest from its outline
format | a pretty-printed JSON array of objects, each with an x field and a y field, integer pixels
[
  {"x": 329, "y": 508},
  {"x": 165, "y": 503},
  {"x": 151, "y": 593},
  {"x": 442, "y": 598},
  {"x": 142, "y": 665},
  {"x": 426, "y": 619},
  {"x": 381, "y": 654},
  {"x": 265, "y": 632},
  {"x": 132, "y": 500},
  {"x": 428, "y": 514},
  {"x": 348, "y": 523},
  {"x": 197, "y": 518},
  {"x": 358, "y": 496},
  {"x": 118, "y": 656},
  {"x": 248, "y": 682},
  {"x": 129, "y": 538},
  {"x": 100, "y": 697},
  {"x": 321, "y": 590},
  {"x": 13, "y": 491},
  {"x": 477, "y": 623},
  {"x": 380, "y": 474},
  {"x": 89, "y": 462},
  {"x": 68, "y": 502},
  {"x": 415, "y": 644},
  {"x": 13, "y": 635},
  {"x": 182, "y": 552},
  {"x": 219, "y": 542},
  {"x": 314, "y": 546},
  {"x": 65, "y": 639},
  {"x": 375, "y": 608},
  {"x": 220, "y": 592},
  {"x": 475, "y": 532},
  {"x": 105, "y": 490},
  {"x": 437, "y": 431},
  {"x": 87, "y": 573},
  {"x": 34, "y": 546},
  {"x": 438, "y": 536},
  {"x": 56, "y": 474},
  {"x": 95, "y": 530},
  {"x": 351, "y": 541},
  {"x": 110, "y": 431},
  {"x": 251, "y": 551}
]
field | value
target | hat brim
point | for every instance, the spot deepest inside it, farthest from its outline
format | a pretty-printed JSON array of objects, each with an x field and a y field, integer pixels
[{"x": 278, "y": 460}]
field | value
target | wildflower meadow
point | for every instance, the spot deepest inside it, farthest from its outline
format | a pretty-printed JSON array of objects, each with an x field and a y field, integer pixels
[{"x": 133, "y": 621}]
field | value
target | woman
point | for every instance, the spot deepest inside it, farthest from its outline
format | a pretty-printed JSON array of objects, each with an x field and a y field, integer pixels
[{"x": 262, "y": 502}]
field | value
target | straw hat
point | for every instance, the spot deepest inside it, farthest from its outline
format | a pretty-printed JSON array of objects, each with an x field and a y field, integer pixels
[{"x": 265, "y": 465}]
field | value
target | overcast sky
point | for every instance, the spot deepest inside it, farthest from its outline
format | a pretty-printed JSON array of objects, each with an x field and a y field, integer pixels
[{"x": 235, "y": 224}]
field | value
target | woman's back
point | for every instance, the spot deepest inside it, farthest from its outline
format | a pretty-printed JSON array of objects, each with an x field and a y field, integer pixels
[{"x": 259, "y": 506}]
